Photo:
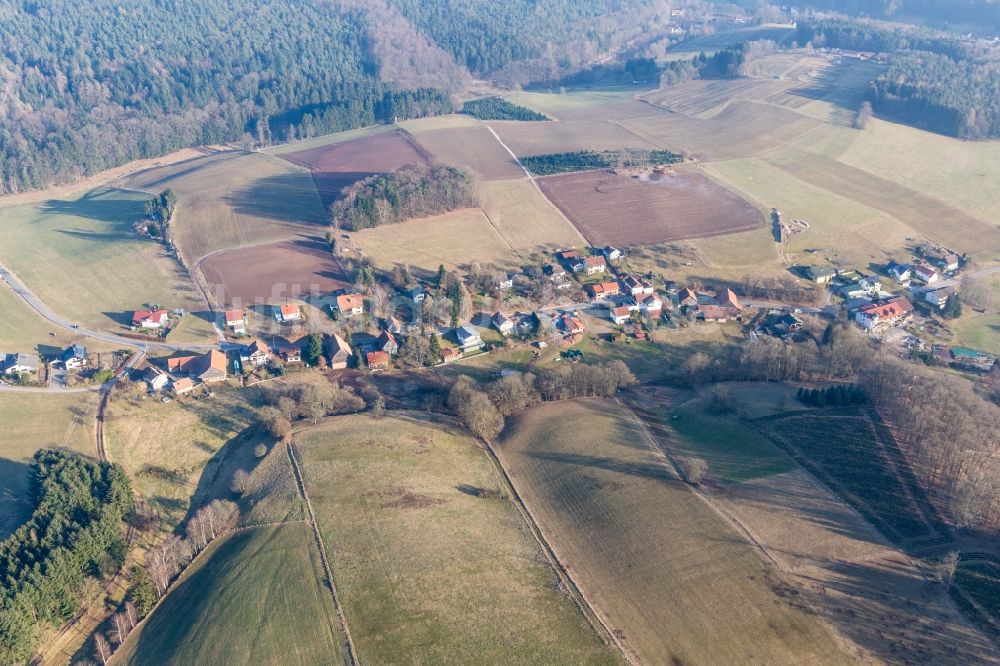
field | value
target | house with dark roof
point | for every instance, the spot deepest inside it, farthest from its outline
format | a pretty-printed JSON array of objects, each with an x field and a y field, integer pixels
[
  {"x": 502, "y": 323},
  {"x": 155, "y": 379},
  {"x": 387, "y": 343},
  {"x": 819, "y": 274},
  {"x": 468, "y": 337},
  {"x": 18, "y": 363},
  {"x": 636, "y": 286},
  {"x": 339, "y": 351},
  {"x": 74, "y": 357},
  {"x": 899, "y": 272},
  {"x": 611, "y": 253},
  {"x": 257, "y": 353},
  {"x": 925, "y": 273}
]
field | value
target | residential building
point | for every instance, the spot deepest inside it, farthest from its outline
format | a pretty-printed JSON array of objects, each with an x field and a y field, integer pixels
[
  {"x": 18, "y": 363},
  {"x": 503, "y": 281},
  {"x": 502, "y": 323},
  {"x": 340, "y": 352},
  {"x": 150, "y": 319},
  {"x": 687, "y": 298},
  {"x": 925, "y": 273},
  {"x": 714, "y": 313},
  {"x": 416, "y": 294},
  {"x": 948, "y": 262},
  {"x": 938, "y": 297},
  {"x": 881, "y": 314},
  {"x": 74, "y": 357},
  {"x": 237, "y": 321},
  {"x": 602, "y": 290},
  {"x": 650, "y": 305},
  {"x": 387, "y": 343},
  {"x": 182, "y": 386},
  {"x": 779, "y": 324},
  {"x": 258, "y": 353},
  {"x": 450, "y": 354},
  {"x": 287, "y": 313},
  {"x": 595, "y": 265},
  {"x": 819, "y": 274},
  {"x": 377, "y": 360},
  {"x": 636, "y": 286},
  {"x": 289, "y": 353},
  {"x": 350, "y": 305},
  {"x": 727, "y": 299},
  {"x": 899, "y": 272},
  {"x": 155, "y": 379},
  {"x": 571, "y": 325},
  {"x": 611, "y": 253},
  {"x": 620, "y": 315},
  {"x": 209, "y": 367},
  {"x": 468, "y": 337},
  {"x": 393, "y": 325}
]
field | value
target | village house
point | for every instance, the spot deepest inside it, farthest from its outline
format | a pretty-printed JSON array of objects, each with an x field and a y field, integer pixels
[
  {"x": 571, "y": 325},
  {"x": 287, "y": 313},
  {"x": 947, "y": 262},
  {"x": 416, "y": 294},
  {"x": 386, "y": 342},
  {"x": 257, "y": 353},
  {"x": 819, "y": 274},
  {"x": 209, "y": 367},
  {"x": 727, "y": 299},
  {"x": 377, "y": 360},
  {"x": 150, "y": 319},
  {"x": 393, "y": 325},
  {"x": 862, "y": 286},
  {"x": 450, "y": 354},
  {"x": 778, "y": 324},
  {"x": 650, "y": 305},
  {"x": 602, "y": 290},
  {"x": 155, "y": 379},
  {"x": 636, "y": 286},
  {"x": 237, "y": 321},
  {"x": 288, "y": 353},
  {"x": 714, "y": 313},
  {"x": 620, "y": 315},
  {"x": 18, "y": 363},
  {"x": 75, "y": 357},
  {"x": 882, "y": 314},
  {"x": 611, "y": 253},
  {"x": 687, "y": 298},
  {"x": 938, "y": 297},
  {"x": 182, "y": 386},
  {"x": 595, "y": 265},
  {"x": 350, "y": 305},
  {"x": 502, "y": 323},
  {"x": 898, "y": 272},
  {"x": 468, "y": 337},
  {"x": 503, "y": 281},
  {"x": 925, "y": 273},
  {"x": 339, "y": 351}
]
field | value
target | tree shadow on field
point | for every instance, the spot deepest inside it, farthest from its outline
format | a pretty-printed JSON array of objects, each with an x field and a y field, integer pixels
[
  {"x": 288, "y": 197},
  {"x": 100, "y": 206},
  {"x": 657, "y": 472}
]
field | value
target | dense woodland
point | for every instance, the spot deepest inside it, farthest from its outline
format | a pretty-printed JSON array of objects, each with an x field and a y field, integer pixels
[
  {"x": 92, "y": 84},
  {"x": 585, "y": 160},
  {"x": 943, "y": 13},
  {"x": 497, "y": 108},
  {"x": 412, "y": 191},
  {"x": 74, "y": 533}
]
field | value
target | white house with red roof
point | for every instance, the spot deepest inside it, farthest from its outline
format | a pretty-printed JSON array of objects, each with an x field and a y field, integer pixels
[
  {"x": 287, "y": 313},
  {"x": 883, "y": 313},
  {"x": 150, "y": 319},
  {"x": 237, "y": 321},
  {"x": 351, "y": 304},
  {"x": 594, "y": 265}
]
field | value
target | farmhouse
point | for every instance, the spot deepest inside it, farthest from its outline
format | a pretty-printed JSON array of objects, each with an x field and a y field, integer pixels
[
  {"x": 687, "y": 298},
  {"x": 182, "y": 386},
  {"x": 468, "y": 337},
  {"x": 727, "y": 299},
  {"x": 450, "y": 354},
  {"x": 387, "y": 343},
  {"x": 236, "y": 320},
  {"x": 603, "y": 290},
  {"x": 883, "y": 313},
  {"x": 571, "y": 325},
  {"x": 636, "y": 286},
  {"x": 19, "y": 363},
  {"x": 74, "y": 357},
  {"x": 339, "y": 351},
  {"x": 155, "y": 379},
  {"x": 350, "y": 304},
  {"x": 714, "y": 313},
  {"x": 377, "y": 360},
  {"x": 258, "y": 353},
  {"x": 925, "y": 273},
  {"x": 819, "y": 274},
  {"x": 287, "y": 313},
  {"x": 898, "y": 272},
  {"x": 620, "y": 315},
  {"x": 502, "y": 323},
  {"x": 649, "y": 304},
  {"x": 209, "y": 367},
  {"x": 595, "y": 265},
  {"x": 150, "y": 319},
  {"x": 938, "y": 297}
]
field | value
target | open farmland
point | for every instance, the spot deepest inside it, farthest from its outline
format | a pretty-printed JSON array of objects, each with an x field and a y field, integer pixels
[
  {"x": 618, "y": 210},
  {"x": 429, "y": 556},
  {"x": 570, "y": 135},
  {"x": 454, "y": 239},
  {"x": 83, "y": 259},
  {"x": 334, "y": 166},
  {"x": 32, "y": 421},
  {"x": 22, "y": 329},
  {"x": 668, "y": 575},
  {"x": 273, "y": 272},
  {"x": 472, "y": 148},
  {"x": 524, "y": 218},
  {"x": 233, "y": 199},
  {"x": 255, "y": 596}
]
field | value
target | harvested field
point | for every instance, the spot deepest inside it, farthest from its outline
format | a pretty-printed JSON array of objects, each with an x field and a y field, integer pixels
[
  {"x": 233, "y": 199},
  {"x": 472, "y": 148},
  {"x": 670, "y": 577},
  {"x": 432, "y": 561},
  {"x": 567, "y": 136},
  {"x": 273, "y": 272},
  {"x": 337, "y": 165},
  {"x": 454, "y": 239},
  {"x": 524, "y": 218},
  {"x": 618, "y": 210},
  {"x": 705, "y": 98}
]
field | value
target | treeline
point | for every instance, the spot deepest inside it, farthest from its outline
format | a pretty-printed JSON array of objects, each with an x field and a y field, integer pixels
[
  {"x": 497, "y": 108},
  {"x": 729, "y": 63},
  {"x": 159, "y": 211},
  {"x": 416, "y": 190},
  {"x": 75, "y": 533},
  {"x": 983, "y": 13},
  {"x": 866, "y": 36},
  {"x": 633, "y": 70},
  {"x": 932, "y": 91},
  {"x": 482, "y": 408},
  {"x": 584, "y": 160},
  {"x": 842, "y": 395}
]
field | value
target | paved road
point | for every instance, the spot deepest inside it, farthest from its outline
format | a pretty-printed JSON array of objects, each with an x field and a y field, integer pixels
[{"x": 46, "y": 313}]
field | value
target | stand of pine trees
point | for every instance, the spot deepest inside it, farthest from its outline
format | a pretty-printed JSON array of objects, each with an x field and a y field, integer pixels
[{"x": 841, "y": 395}]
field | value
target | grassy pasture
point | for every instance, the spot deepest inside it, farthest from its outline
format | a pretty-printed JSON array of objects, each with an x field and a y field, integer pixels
[
  {"x": 524, "y": 218},
  {"x": 656, "y": 561},
  {"x": 980, "y": 332},
  {"x": 234, "y": 199},
  {"x": 255, "y": 597},
  {"x": 82, "y": 258},
  {"x": 327, "y": 139},
  {"x": 567, "y": 102},
  {"x": 432, "y": 563},
  {"x": 472, "y": 148},
  {"x": 21, "y": 329},
  {"x": 454, "y": 239},
  {"x": 29, "y": 422}
]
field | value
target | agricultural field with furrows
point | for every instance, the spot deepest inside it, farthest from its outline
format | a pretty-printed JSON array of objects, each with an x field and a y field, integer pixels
[
  {"x": 473, "y": 149},
  {"x": 32, "y": 421},
  {"x": 429, "y": 555},
  {"x": 234, "y": 199},
  {"x": 255, "y": 596},
  {"x": 524, "y": 218},
  {"x": 570, "y": 135},
  {"x": 670, "y": 577},
  {"x": 84, "y": 260}
]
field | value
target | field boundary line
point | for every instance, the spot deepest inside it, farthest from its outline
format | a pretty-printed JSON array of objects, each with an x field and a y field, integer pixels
[
  {"x": 531, "y": 179},
  {"x": 352, "y": 651},
  {"x": 587, "y": 609}
]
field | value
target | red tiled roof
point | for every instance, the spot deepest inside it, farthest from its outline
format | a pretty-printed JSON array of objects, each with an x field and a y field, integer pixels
[
  {"x": 234, "y": 316},
  {"x": 377, "y": 358},
  {"x": 288, "y": 310},
  {"x": 604, "y": 288},
  {"x": 620, "y": 312},
  {"x": 593, "y": 262},
  {"x": 897, "y": 307},
  {"x": 350, "y": 301},
  {"x": 140, "y": 316}
]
